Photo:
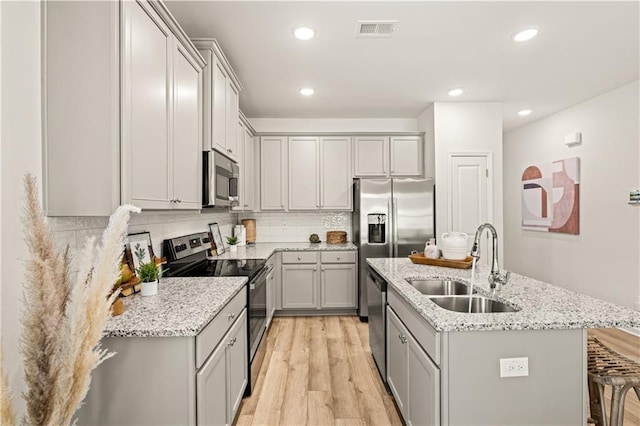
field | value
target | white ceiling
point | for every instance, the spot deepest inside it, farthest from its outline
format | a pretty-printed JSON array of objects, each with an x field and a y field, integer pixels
[{"x": 583, "y": 49}]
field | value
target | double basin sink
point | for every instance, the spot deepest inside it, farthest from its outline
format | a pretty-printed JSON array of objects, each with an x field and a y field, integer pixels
[{"x": 454, "y": 296}]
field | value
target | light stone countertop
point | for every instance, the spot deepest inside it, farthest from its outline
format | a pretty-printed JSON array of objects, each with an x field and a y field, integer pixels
[
  {"x": 182, "y": 307},
  {"x": 543, "y": 306},
  {"x": 265, "y": 250}
]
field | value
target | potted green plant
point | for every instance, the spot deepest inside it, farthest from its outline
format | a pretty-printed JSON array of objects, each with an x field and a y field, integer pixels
[
  {"x": 148, "y": 273},
  {"x": 233, "y": 244}
]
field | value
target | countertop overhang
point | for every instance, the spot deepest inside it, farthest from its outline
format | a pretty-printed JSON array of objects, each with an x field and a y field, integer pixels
[{"x": 543, "y": 306}]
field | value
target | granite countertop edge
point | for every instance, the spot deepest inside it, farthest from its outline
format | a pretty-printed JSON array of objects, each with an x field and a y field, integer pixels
[
  {"x": 265, "y": 250},
  {"x": 543, "y": 306}
]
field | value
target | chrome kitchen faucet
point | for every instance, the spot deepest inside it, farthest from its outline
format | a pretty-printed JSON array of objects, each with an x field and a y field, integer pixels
[{"x": 496, "y": 276}]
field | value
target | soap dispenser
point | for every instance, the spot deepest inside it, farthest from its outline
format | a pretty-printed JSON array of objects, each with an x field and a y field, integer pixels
[{"x": 431, "y": 250}]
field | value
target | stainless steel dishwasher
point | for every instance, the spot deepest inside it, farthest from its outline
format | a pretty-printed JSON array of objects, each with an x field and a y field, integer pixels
[{"x": 377, "y": 304}]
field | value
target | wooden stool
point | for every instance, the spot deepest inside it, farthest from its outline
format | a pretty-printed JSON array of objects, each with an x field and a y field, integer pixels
[{"x": 607, "y": 367}]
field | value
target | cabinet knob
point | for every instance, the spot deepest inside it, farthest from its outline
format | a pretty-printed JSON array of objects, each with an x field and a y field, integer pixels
[
  {"x": 231, "y": 316},
  {"x": 178, "y": 200},
  {"x": 322, "y": 269},
  {"x": 402, "y": 338},
  {"x": 338, "y": 258},
  {"x": 315, "y": 269},
  {"x": 299, "y": 258}
]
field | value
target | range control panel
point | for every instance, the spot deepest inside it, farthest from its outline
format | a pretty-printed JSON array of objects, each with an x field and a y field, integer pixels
[{"x": 187, "y": 245}]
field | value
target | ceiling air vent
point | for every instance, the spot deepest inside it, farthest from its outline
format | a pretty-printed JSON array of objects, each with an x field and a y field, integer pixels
[{"x": 375, "y": 29}]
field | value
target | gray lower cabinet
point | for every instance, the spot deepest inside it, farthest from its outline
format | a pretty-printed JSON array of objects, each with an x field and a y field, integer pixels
[
  {"x": 319, "y": 281},
  {"x": 222, "y": 379},
  {"x": 271, "y": 295},
  {"x": 414, "y": 380},
  {"x": 299, "y": 286},
  {"x": 337, "y": 286}
]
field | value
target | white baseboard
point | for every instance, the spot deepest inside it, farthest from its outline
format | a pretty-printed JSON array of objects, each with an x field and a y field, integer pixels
[{"x": 634, "y": 331}]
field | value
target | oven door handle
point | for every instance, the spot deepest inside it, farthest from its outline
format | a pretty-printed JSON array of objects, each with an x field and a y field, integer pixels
[{"x": 259, "y": 279}]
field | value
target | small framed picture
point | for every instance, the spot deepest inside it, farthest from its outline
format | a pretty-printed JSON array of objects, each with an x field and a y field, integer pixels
[
  {"x": 217, "y": 238},
  {"x": 138, "y": 249}
]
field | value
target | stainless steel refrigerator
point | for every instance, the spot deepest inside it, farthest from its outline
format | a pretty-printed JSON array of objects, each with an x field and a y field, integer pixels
[{"x": 391, "y": 217}]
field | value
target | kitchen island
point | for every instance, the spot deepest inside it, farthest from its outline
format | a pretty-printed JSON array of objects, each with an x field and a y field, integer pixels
[{"x": 444, "y": 367}]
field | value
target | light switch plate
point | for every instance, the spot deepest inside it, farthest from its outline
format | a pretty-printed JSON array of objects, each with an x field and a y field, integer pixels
[{"x": 514, "y": 367}]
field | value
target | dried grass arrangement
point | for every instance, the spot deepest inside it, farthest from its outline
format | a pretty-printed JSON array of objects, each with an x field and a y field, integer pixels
[{"x": 63, "y": 321}]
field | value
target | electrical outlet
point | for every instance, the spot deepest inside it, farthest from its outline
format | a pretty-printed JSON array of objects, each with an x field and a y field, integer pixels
[{"x": 514, "y": 367}]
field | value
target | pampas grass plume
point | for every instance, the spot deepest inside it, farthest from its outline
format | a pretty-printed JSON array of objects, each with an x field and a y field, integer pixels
[{"x": 63, "y": 322}]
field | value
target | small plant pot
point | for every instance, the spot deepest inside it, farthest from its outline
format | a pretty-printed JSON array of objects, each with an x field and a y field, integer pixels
[
  {"x": 149, "y": 289},
  {"x": 233, "y": 248}
]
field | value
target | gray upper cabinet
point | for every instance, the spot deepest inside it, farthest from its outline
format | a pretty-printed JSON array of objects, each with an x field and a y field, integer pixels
[
  {"x": 335, "y": 173},
  {"x": 126, "y": 112},
  {"x": 304, "y": 173},
  {"x": 384, "y": 156},
  {"x": 221, "y": 100},
  {"x": 406, "y": 156},
  {"x": 273, "y": 173},
  {"x": 371, "y": 157}
]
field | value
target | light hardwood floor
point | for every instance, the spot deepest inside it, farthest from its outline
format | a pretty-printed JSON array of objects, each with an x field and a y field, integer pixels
[
  {"x": 318, "y": 371},
  {"x": 628, "y": 345}
]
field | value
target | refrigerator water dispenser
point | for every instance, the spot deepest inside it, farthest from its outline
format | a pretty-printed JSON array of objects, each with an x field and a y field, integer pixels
[{"x": 377, "y": 232}]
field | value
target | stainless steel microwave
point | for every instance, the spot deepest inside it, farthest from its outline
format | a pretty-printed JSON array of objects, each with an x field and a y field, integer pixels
[{"x": 220, "y": 183}]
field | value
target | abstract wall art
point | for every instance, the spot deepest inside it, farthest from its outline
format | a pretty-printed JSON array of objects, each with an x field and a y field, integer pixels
[{"x": 550, "y": 197}]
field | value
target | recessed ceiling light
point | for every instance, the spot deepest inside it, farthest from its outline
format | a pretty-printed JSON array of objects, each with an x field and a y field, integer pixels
[
  {"x": 456, "y": 92},
  {"x": 524, "y": 112},
  {"x": 306, "y": 91},
  {"x": 525, "y": 35},
  {"x": 304, "y": 33}
]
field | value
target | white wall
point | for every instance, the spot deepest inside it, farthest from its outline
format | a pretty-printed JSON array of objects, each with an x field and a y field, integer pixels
[
  {"x": 603, "y": 260},
  {"x": 21, "y": 153},
  {"x": 471, "y": 127},
  {"x": 273, "y": 227},
  {"x": 289, "y": 125}
]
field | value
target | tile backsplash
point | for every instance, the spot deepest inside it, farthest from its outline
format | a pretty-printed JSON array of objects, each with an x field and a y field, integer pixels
[
  {"x": 73, "y": 231},
  {"x": 270, "y": 227},
  {"x": 296, "y": 227}
]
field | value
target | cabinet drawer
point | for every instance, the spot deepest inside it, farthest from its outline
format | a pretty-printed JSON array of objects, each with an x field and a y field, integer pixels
[
  {"x": 338, "y": 256},
  {"x": 208, "y": 338},
  {"x": 300, "y": 257},
  {"x": 425, "y": 334}
]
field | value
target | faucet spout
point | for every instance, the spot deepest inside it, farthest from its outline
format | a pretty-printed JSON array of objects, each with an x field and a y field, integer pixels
[{"x": 496, "y": 276}]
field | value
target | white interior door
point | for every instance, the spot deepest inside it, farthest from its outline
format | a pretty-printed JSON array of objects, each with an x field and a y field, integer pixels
[{"x": 468, "y": 196}]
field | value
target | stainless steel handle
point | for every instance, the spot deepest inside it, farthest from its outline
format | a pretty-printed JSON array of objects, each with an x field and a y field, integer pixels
[
  {"x": 389, "y": 230},
  {"x": 395, "y": 226}
]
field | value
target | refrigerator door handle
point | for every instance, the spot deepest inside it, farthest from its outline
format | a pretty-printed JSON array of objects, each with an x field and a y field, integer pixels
[
  {"x": 394, "y": 204},
  {"x": 390, "y": 228}
]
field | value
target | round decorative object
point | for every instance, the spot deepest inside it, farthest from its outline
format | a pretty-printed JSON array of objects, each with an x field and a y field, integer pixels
[
  {"x": 336, "y": 237},
  {"x": 314, "y": 238}
]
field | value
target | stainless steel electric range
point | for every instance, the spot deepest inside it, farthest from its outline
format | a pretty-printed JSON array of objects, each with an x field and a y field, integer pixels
[{"x": 187, "y": 257}]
